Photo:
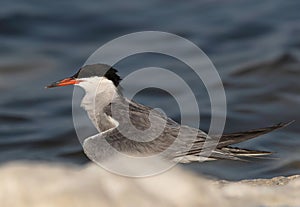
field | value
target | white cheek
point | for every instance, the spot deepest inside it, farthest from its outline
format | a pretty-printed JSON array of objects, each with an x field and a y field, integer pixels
[
  {"x": 98, "y": 86},
  {"x": 89, "y": 84}
]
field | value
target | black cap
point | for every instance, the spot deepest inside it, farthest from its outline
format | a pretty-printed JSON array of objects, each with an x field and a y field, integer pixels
[{"x": 100, "y": 70}]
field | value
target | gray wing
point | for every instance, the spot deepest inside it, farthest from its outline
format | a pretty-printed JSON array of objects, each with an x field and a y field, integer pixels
[{"x": 173, "y": 139}]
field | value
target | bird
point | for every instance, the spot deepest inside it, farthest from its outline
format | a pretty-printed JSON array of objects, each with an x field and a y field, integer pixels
[{"x": 120, "y": 122}]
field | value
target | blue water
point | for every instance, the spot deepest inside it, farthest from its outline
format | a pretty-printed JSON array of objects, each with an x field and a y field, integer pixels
[{"x": 253, "y": 44}]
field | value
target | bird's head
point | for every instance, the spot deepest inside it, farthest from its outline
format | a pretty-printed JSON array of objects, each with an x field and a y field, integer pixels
[{"x": 89, "y": 77}]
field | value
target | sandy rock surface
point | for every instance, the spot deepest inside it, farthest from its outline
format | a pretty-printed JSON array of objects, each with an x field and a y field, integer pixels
[{"x": 52, "y": 185}]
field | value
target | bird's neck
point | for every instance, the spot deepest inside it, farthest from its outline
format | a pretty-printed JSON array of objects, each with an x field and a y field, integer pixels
[{"x": 99, "y": 92}]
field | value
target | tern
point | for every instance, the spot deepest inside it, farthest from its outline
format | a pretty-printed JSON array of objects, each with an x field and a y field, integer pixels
[{"x": 120, "y": 122}]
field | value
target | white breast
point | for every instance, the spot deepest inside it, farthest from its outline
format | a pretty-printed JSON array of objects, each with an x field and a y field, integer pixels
[{"x": 99, "y": 92}]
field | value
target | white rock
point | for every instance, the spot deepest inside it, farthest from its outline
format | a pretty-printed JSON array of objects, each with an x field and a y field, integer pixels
[{"x": 50, "y": 185}]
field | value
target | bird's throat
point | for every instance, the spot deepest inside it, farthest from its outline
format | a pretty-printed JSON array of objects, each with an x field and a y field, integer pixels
[{"x": 98, "y": 95}]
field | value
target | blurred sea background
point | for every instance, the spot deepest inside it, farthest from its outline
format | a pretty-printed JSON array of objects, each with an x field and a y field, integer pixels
[{"x": 253, "y": 44}]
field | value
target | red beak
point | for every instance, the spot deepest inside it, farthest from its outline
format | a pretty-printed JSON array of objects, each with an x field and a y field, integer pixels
[{"x": 64, "y": 82}]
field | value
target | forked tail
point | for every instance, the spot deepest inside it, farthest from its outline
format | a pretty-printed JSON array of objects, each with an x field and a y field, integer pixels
[{"x": 225, "y": 151}]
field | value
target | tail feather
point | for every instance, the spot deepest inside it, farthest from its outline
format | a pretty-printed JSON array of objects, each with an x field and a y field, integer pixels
[
  {"x": 235, "y": 138},
  {"x": 244, "y": 152},
  {"x": 224, "y": 151}
]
